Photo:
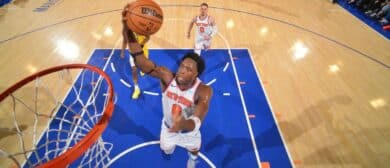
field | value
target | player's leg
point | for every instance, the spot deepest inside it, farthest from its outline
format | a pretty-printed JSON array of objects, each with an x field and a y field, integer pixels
[
  {"x": 192, "y": 159},
  {"x": 206, "y": 44},
  {"x": 202, "y": 45},
  {"x": 167, "y": 141},
  {"x": 146, "y": 54},
  {"x": 137, "y": 91},
  {"x": 166, "y": 146},
  {"x": 124, "y": 43},
  {"x": 192, "y": 144},
  {"x": 198, "y": 44},
  {"x": 198, "y": 48}
]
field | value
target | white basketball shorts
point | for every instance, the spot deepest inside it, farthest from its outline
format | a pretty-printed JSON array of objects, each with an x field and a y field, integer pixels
[{"x": 188, "y": 140}]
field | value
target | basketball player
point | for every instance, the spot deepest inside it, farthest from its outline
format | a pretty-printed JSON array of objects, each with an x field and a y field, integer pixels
[
  {"x": 185, "y": 99},
  {"x": 206, "y": 28},
  {"x": 142, "y": 40}
]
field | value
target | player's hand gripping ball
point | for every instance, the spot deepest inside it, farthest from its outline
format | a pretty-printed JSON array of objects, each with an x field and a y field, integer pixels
[{"x": 144, "y": 17}]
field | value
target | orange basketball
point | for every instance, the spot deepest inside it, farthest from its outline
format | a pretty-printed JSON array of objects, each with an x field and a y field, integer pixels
[{"x": 144, "y": 17}]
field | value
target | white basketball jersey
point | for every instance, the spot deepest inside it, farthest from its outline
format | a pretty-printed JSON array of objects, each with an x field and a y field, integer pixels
[
  {"x": 203, "y": 27},
  {"x": 174, "y": 98}
]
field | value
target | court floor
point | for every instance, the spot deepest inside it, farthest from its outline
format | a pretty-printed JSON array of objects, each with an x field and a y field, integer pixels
[
  {"x": 325, "y": 74},
  {"x": 228, "y": 140}
]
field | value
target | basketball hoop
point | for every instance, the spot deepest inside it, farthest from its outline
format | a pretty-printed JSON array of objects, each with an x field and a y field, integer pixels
[{"x": 65, "y": 131}]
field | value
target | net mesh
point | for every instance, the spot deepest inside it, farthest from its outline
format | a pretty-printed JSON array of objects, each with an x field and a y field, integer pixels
[{"x": 48, "y": 116}]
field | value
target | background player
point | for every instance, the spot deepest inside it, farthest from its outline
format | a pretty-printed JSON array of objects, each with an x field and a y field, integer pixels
[
  {"x": 142, "y": 40},
  {"x": 206, "y": 28}
]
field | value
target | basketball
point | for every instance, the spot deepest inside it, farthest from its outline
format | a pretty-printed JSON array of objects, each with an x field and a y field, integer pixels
[{"x": 144, "y": 17}]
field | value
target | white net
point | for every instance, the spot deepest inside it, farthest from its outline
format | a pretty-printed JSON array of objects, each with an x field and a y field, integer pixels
[{"x": 50, "y": 115}]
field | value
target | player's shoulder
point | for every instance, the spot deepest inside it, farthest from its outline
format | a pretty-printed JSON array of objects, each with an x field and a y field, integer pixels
[
  {"x": 211, "y": 18},
  {"x": 195, "y": 18},
  {"x": 204, "y": 90}
]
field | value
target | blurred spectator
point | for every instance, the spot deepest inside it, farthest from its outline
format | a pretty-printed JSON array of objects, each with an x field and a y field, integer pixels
[
  {"x": 383, "y": 14},
  {"x": 377, "y": 9},
  {"x": 360, "y": 4},
  {"x": 374, "y": 6}
]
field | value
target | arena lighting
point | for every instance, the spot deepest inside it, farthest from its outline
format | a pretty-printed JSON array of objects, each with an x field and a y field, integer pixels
[
  {"x": 108, "y": 31},
  {"x": 263, "y": 31},
  {"x": 299, "y": 50},
  {"x": 230, "y": 24},
  {"x": 68, "y": 49},
  {"x": 334, "y": 68},
  {"x": 31, "y": 68},
  {"x": 378, "y": 103}
]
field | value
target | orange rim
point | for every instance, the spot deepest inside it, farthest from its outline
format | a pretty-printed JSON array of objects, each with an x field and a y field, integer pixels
[{"x": 78, "y": 149}]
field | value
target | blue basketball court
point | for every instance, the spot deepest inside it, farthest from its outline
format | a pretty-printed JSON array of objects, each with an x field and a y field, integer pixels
[{"x": 239, "y": 130}]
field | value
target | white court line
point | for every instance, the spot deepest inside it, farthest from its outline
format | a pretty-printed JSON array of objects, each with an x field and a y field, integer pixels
[
  {"x": 112, "y": 67},
  {"x": 125, "y": 83},
  {"x": 211, "y": 82},
  {"x": 115, "y": 97},
  {"x": 242, "y": 101},
  {"x": 270, "y": 106},
  {"x": 226, "y": 66},
  {"x": 211, "y": 164},
  {"x": 226, "y": 94},
  {"x": 152, "y": 143},
  {"x": 151, "y": 93}
]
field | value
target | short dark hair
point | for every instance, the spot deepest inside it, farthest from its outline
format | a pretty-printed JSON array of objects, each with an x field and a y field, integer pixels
[
  {"x": 204, "y": 4},
  {"x": 200, "y": 65}
]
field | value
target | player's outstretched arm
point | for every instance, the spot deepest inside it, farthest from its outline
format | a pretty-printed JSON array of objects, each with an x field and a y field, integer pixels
[
  {"x": 190, "y": 27},
  {"x": 136, "y": 51},
  {"x": 145, "y": 65},
  {"x": 214, "y": 28}
]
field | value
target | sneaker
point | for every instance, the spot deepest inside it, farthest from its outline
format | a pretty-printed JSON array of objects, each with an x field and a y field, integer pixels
[
  {"x": 191, "y": 163},
  {"x": 136, "y": 93}
]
